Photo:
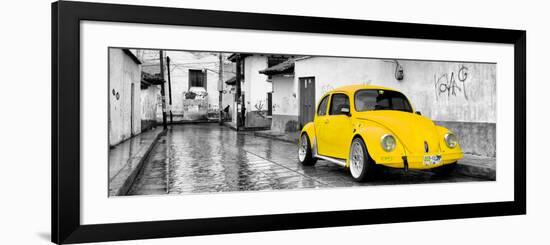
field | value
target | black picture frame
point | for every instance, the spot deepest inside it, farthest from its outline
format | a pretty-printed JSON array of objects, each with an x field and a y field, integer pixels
[{"x": 65, "y": 161}]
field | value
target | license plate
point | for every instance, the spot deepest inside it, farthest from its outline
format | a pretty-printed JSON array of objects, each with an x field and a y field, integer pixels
[{"x": 432, "y": 160}]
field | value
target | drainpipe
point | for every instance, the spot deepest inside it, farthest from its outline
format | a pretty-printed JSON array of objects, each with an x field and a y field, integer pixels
[
  {"x": 220, "y": 88},
  {"x": 169, "y": 88},
  {"x": 162, "y": 93},
  {"x": 238, "y": 90}
]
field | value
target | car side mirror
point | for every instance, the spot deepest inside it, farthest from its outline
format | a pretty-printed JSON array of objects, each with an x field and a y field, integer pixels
[
  {"x": 418, "y": 113},
  {"x": 345, "y": 110}
]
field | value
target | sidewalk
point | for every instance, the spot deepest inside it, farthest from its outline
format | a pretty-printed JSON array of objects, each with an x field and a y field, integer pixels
[
  {"x": 288, "y": 137},
  {"x": 477, "y": 166},
  {"x": 126, "y": 159},
  {"x": 232, "y": 125},
  {"x": 470, "y": 165}
]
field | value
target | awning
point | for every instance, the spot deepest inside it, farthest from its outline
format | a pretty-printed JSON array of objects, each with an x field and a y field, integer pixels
[
  {"x": 285, "y": 67},
  {"x": 148, "y": 79},
  {"x": 235, "y": 56},
  {"x": 231, "y": 81}
]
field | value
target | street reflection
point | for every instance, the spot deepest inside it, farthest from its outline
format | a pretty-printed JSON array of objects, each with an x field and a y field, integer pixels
[{"x": 198, "y": 158}]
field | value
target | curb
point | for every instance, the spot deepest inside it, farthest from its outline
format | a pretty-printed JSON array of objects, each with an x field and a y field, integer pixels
[
  {"x": 487, "y": 173},
  {"x": 270, "y": 136},
  {"x": 125, "y": 188},
  {"x": 245, "y": 129},
  {"x": 195, "y": 122},
  {"x": 229, "y": 126}
]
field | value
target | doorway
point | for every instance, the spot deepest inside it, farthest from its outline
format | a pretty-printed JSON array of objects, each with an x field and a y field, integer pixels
[{"x": 307, "y": 99}]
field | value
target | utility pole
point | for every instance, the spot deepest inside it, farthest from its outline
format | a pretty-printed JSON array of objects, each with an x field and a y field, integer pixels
[
  {"x": 220, "y": 88},
  {"x": 238, "y": 90},
  {"x": 162, "y": 93},
  {"x": 169, "y": 88}
]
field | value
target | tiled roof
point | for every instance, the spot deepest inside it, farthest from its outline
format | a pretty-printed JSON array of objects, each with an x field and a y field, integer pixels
[
  {"x": 132, "y": 56},
  {"x": 285, "y": 67},
  {"x": 231, "y": 81},
  {"x": 151, "y": 79},
  {"x": 233, "y": 57}
]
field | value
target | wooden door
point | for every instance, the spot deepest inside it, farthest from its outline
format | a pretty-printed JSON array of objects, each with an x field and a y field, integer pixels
[
  {"x": 269, "y": 104},
  {"x": 307, "y": 99}
]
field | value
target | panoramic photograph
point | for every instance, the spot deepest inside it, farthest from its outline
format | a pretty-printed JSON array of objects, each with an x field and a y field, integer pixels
[{"x": 192, "y": 122}]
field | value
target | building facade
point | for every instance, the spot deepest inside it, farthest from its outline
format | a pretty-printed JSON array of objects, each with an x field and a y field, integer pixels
[
  {"x": 193, "y": 83},
  {"x": 124, "y": 95},
  {"x": 256, "y": 88},
  {"x": 460, "y": 96}
]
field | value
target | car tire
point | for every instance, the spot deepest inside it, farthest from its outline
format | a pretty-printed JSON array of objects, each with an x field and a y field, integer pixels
[
  {"x": 362, "y": 167},
  {"x": 445, "y": 170},
  {"x": 305, "y": 155}
]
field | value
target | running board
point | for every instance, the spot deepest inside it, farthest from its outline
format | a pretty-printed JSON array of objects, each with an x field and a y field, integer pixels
[
  {"x": 333, "y": 160},
  {"x": 330, "y": 159}
]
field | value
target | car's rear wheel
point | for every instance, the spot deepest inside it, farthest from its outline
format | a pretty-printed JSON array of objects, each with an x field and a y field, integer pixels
[
  {"x": 305, "y": 155},
  {"x": 361, "y": 166},
  {"x": 445, "y": 170}
]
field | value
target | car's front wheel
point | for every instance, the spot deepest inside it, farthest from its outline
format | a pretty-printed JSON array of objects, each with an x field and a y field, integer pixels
[
  {"x": 361, "y": 166},
  {"x": 305, "y": 155}
]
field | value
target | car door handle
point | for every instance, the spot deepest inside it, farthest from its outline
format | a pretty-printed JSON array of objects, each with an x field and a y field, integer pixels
[{"x": 326, "y": 121}]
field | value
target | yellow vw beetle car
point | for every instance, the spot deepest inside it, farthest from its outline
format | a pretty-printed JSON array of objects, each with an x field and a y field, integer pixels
[{"x": 361, "y": 127}]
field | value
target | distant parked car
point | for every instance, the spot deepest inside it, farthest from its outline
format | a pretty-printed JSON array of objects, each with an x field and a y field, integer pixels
[{"x": 361, "y": 127}]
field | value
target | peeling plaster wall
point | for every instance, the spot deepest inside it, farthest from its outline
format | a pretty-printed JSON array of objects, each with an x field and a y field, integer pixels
[
  {"x": 285, "y": 96},
  {"x": 434, "y": 88},
  {"x": 255, "y": 89},
  {"x": 285, "y": 104},
  {"x": 256, "y": 85},
  {"x": 149, "y": 106},
  {"x": 455, "y": 94},
  {"x": 123, "y": 72}
]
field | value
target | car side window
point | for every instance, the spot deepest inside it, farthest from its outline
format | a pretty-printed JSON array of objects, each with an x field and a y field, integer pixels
[
  {"x": 338, "y": 102},
  {"x": 322, "y": 110}
]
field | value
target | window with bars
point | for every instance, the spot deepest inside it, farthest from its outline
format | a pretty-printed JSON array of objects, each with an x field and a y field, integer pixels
[{"x": 197, "y": 78}]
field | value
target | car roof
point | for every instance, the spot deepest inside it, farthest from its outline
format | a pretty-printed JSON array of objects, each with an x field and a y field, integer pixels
[{"x": 353, "y": 88}]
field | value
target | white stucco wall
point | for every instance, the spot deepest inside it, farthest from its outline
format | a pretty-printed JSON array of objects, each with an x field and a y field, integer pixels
[
  {"x": 149, "y": 100},
  {"x": 256, "y": 85},
  {"x": 181, "y": 62},
  {"x": 474, "y": 98},
  {"x": 123, "y": 72},
  {"x": 285, "y": 95},
  {"x": 228, "y": 98}
]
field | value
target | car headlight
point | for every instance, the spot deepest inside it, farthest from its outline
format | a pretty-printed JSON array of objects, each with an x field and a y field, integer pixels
[
  {"x": 388, "y": 142},
  {"x": 451, "y": 140}
]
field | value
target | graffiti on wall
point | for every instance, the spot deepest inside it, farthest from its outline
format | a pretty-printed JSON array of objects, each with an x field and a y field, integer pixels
[
  {"x": 259, "y": 106},
  {"x": 194, "y": 105},
  {"x": 195, "y": 95},
  {"x": 325, "y": 88},
  {"x": 453, "y": 84}
]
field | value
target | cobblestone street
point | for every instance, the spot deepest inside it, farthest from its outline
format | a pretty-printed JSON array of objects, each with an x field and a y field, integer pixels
[{"x": 196, "y": 158}]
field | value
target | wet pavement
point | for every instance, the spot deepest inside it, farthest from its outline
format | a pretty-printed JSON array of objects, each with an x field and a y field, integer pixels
[
  {"x": 198, "y": 158},
  {"x": 125, "y": 160}
]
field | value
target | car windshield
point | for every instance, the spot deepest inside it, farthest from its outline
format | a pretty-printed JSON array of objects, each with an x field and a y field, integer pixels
[{"x": 379, "y": 99}]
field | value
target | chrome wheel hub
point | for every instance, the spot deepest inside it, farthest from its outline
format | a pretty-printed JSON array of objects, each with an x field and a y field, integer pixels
[
  {"x": 356, "y": 159},
  {"x": 302, "y": 149}
]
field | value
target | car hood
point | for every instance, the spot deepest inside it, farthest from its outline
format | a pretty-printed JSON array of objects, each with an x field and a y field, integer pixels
[{"x": 410, "y": 129}]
